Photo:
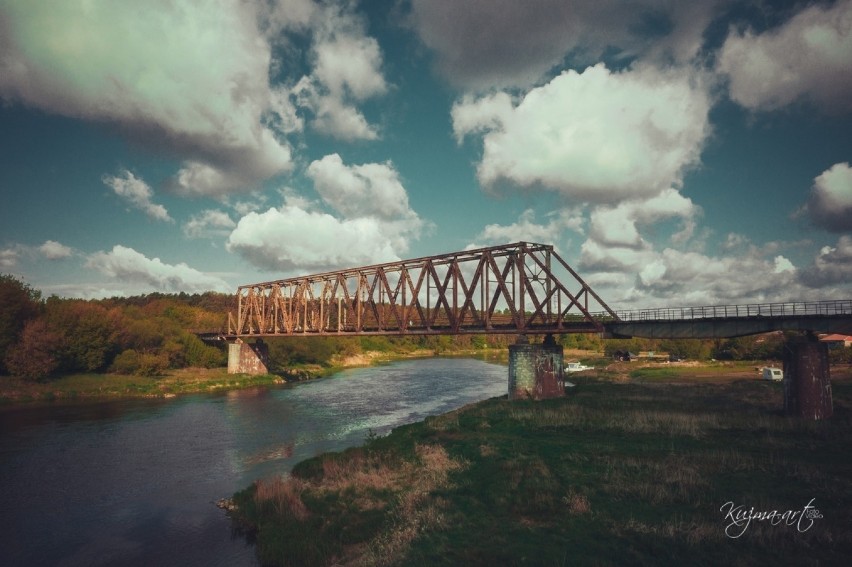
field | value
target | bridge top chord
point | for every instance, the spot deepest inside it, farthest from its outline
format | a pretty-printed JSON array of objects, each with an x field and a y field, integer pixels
[{"x": 515, "y": 288}]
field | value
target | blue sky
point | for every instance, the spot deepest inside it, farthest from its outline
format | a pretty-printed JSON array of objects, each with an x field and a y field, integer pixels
[{"x": 675, "y": 153}]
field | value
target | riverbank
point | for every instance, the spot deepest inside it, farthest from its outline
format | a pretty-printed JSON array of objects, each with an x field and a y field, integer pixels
[
  {"x": 76, "y": 387},
  {"x": 637, "y": 471}
]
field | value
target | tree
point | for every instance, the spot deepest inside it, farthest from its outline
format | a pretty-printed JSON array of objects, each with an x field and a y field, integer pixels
[
  {"x": 90, "y": 333},
  {"x": 33, "y": 356},
  {"x": 18, "y": 304}
]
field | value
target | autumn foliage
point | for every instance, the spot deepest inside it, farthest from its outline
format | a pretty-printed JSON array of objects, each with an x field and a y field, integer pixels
[{"x": 143, "y": 335}]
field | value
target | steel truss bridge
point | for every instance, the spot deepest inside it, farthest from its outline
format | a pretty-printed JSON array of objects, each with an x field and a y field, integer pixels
[
  {"x": 512, "y": 289},
  {"x": 519, "y": 288}
]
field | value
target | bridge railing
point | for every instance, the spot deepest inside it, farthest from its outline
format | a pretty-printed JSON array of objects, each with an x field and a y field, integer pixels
[{"x": 750, "y": 310}]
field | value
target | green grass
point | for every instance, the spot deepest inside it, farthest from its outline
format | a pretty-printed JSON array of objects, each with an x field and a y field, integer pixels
[
  {"x": 614, "y": 474},
  {"x": 77, "y": 386},
  {"x": 679, "y": 372}
]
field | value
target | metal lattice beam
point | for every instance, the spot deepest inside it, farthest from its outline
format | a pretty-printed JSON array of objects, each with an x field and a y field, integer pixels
[{"x": 515, "y": 288}]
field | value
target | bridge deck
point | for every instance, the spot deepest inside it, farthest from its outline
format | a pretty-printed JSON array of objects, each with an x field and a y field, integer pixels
[{"x": 720, "y": 321}]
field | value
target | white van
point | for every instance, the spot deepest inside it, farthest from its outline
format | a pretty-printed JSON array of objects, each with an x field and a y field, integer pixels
[{"x": 774, "y": 374}]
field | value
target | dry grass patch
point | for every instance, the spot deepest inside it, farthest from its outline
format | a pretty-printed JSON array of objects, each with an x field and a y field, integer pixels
[
  {"x": 415, "y": 512},
  {"x": 662, "y": 422},
  {"x": 677, "y": 478},
  {"x": 284, "y": 494},
  {"x": 404, "y": 489}
]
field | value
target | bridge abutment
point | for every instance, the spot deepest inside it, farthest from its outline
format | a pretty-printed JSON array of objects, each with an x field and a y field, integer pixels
[
  {"x": 535, "y": 370},
  {"x": 245, "y": 358},
  {"x": 807, "y": 380}
]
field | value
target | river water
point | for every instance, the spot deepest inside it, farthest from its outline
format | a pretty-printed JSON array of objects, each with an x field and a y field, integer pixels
[{"x": 135, "y": 482}]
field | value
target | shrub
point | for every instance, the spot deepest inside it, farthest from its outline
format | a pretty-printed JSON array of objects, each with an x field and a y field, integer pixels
[
  {"x": 32, "y": 357},
  {"x": 152, "y": 364},
  {"x": 126, "y": 363}
]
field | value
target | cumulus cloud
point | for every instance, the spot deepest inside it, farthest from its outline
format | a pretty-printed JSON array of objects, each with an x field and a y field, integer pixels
[
  {"x": 596, "y": 136},
  {"x": 128, "y": 265},
  {"x": 830, "y": 203},
  {"x": 346, "y": 70},
  {"x": 8, "y": 258},
  {"x": 208, "y": 223},
  {"x": 375, "y": 222},
  {"x": 481, "y": 44},
  {"x": 53, "y": 250},
  {"x": 137, "y": 193},
  {"x": 809, "y": 57},
  {"x": 620, "y": 225},
  {"x": 290, "y": 238},
  {"x": 832, "y": 266},
  {"x": 191, "y": 78},
  {"x": 528, "y": 229},
  {"x": 647, "y": 278},
  {"x": 371, "y": 189}
]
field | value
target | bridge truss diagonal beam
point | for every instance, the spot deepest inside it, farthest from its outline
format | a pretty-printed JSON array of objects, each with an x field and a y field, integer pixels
[{"x": 514, "y": 288}]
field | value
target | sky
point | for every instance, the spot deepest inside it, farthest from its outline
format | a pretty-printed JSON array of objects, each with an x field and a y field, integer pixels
[{"x": 675, "y": 153}]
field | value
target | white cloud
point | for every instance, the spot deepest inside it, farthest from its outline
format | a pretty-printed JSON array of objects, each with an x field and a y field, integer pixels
[
  {"x": 676, "y": 278},
  {"x": 346, "y": 71},
  {"x": 128, "y": 265},
  {"x": 596, "y": 136},
  {"x": 8, "y": 258},
  {"x": 332, "y": 115},
  {"x": 371, "y": 189},
  {"x": 619, "y": 225},
  {"x": 291, "y": 238},
  {"x": 53, "y": 250},
  {"x": 782, "y": 264},
  {"x": 376, "y": 223},
  {"x": 191, "y": 78},
  {"x": 830, "y": 203},
  {"x": 350, "y": 63},
  {"x": 504, "y": 43},
  {"x": 208, "y": 223},
  {"x": 136, "y": 192},
  {"x": 832, "y": 266},
  {"x": 809, "y": 57},
  {"x": 527, "y": 229}
]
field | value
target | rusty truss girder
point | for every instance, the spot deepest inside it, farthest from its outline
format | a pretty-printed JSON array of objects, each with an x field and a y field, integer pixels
[{"x": 512, "y": 288}]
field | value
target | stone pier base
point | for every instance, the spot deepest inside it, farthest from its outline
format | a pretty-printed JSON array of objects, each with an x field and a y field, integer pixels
[
  {"x": 244, "y": 358},
  {"x": 535, "y": 370},
  {"x": 807, "y": 380}
]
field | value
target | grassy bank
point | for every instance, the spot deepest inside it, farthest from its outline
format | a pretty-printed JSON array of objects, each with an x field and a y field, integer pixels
[
  {"x": 74, "y": 387},
  {"x": 615, "y": 473},
  {"x": 98, "y": 386}
]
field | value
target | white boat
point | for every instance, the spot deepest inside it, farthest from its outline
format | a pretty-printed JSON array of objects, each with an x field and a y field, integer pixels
[{"x": 576, "y": 367}]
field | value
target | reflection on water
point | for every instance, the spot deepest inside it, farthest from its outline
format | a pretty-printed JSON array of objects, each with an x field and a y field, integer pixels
[{"x": 134, "y": 482}]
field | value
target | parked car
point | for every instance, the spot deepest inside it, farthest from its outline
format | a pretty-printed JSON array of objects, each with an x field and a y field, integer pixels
[
  {"x": 774, "y": 374},
  {"x": 576, "y": 367}
]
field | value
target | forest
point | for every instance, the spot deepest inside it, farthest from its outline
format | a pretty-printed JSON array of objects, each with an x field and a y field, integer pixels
[{"x": 147, "y": 335}]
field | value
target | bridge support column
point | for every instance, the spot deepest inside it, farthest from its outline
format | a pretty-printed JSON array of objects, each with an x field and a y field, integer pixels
[
  {"x": 807, "y": 380},
  {"x": 535, "y": 371},
  {"x": 244, "y": 358}
]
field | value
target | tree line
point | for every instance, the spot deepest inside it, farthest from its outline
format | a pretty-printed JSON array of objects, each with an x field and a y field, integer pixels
[
  {"x": 149, "y": 334},
  {"x": 145, "y": 335}
]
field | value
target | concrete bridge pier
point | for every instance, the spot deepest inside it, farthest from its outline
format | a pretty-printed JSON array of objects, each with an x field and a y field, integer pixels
[
  {"x": 535, "y": 370},
  {"x": 807, "y": 379},
  {"x": 245, "y": 358}
]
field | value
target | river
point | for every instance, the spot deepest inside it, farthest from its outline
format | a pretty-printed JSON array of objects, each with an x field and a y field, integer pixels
[{"x": 134, "y": 482}]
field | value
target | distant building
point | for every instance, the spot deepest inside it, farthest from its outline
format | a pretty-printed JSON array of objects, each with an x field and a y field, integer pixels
[{"x": 836, "y": 341}]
